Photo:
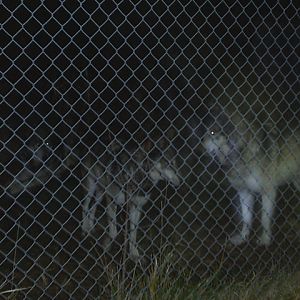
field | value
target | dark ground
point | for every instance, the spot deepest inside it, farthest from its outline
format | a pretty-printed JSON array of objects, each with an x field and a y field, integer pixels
[{"x": 42, "y": 249}]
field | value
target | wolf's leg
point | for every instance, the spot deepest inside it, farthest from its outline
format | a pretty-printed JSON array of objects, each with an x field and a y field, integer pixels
[
  {"x": 112, "y": 219},
  {"x": 246, "y": 201},
  {"x": 268, "y": 204},
  {"x": 134, "y": 218},
  {"x": 88, "y": 213}
]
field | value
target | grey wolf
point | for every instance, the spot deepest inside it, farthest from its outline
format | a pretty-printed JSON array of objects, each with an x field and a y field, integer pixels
[
  {"x": 257, "y": 160},
  {"x": 124, "y": 175},
  {"x": 40, "y": 158},
  {"x": 33, "y": 166}
]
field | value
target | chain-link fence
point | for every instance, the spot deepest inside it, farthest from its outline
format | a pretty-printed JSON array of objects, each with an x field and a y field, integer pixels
[{"x": 136, "y": 137}]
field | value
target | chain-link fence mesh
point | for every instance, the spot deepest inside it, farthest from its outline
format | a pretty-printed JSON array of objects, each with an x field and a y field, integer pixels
[{"x": 134, "y": 134}]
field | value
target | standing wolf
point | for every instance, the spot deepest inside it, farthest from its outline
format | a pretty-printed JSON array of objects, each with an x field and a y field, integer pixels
[
  {"x": 124, "y": 174},
  {"x": 257, "y": 160}
]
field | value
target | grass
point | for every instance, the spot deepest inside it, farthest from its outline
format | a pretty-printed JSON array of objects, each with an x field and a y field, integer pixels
[
  {"x": 161, "y": 280},
  {"x": 163, "y": 283},
  {"x": 281, "y": 286},
  {"x": 11, "y": 294}
]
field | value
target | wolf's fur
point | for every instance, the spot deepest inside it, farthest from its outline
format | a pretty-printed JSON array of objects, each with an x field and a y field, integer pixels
[
  {"x": 35, "y": 164},
  {"x": 257, "y": 159},
  {"x": 124, "y": 174}
]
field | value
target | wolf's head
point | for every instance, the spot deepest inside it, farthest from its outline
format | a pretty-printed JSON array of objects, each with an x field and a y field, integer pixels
[
  {"x": 165, "y": 171},
  {"x": 29, "y": 166},
  {"x": 228, "y": 146},
  {"x": 33, "y": 165},
  {"x": 217, "y": 145},
  {"x": 164, "y": 165},
  {"x": 143, "y": 164},
  {"x": 227, "y": 132}
]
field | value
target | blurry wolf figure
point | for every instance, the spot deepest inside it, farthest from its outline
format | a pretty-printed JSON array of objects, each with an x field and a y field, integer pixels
[
  {"x": 39, "y": 159},
  {"x": 257, "y": 160},
  {"x": 32, "y": 166},
  {"x": 125, "y": 174}
]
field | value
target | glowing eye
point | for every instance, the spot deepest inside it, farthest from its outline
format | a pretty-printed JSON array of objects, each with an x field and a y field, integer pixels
[{"x": 212, "y": 133}]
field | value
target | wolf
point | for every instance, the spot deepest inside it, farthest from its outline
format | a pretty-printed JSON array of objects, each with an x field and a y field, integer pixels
[
  {"x": 39, "y": 159},
  {"x": 29, "y": 169},
  {"x": 257, "y": 160},
  {"x": 124, "y": 175}
]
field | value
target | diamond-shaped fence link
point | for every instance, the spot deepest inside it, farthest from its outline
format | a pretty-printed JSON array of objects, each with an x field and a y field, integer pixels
[{"x": 142, "y": 139}]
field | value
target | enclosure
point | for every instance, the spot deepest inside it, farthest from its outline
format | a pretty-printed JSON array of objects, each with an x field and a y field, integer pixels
[{"x": 80, "y": 76}]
